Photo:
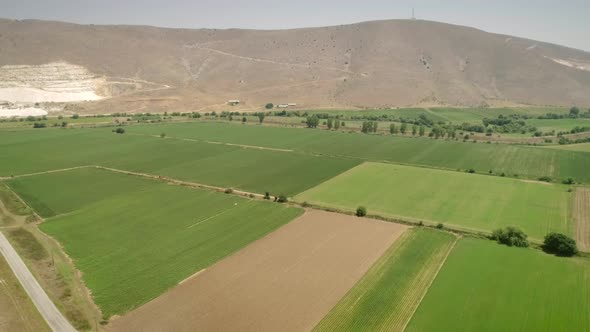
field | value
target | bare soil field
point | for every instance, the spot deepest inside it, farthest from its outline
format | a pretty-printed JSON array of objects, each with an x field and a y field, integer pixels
[
  {"x": 582, "y": 217},
  {"x": 286, "y": 281}
]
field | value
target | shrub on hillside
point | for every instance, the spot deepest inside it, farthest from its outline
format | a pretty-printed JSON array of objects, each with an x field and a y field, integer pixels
[
  {"x": 568, "y": 181},
  {"x": 440, "y": 226},
  {"x": 510, "y": 236},
  {"x": 269, "y": 106},
  {"x": 361, "y": 211},
  {"x": 282, "y": 199},
  {"x": 267, "y": 195},
  {"x": 560, "y": 244}
]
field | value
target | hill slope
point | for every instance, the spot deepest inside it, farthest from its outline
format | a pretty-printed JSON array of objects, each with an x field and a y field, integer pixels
[{"x": 370, "y": 64}]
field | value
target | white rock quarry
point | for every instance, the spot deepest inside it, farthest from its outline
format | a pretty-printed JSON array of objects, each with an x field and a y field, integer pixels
[
  {"x": 21, "y": 112},
  {"x": 52, "y": 82}
]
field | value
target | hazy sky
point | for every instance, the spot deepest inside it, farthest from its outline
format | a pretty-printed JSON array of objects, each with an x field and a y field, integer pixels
[{"x": 565, "y": 22}]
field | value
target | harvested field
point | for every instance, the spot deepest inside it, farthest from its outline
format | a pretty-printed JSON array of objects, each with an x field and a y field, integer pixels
[
  {"x": 286, "y": 281},
  {"x": 582, "y": 217}
]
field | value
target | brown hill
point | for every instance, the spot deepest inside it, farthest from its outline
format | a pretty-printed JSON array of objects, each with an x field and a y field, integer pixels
[{"x": 371, "y": 64}]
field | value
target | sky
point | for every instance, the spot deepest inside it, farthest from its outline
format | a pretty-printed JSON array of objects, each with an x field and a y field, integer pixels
[{"x": 563, "y": 22}]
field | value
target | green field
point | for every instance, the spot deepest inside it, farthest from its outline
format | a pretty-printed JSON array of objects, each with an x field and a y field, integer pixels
[
  {"x": 248, "y": 169},
  {"x": 488, "y": 287},
  {"x": 460, "y": 199},
  {"x": 387, "y": 295},
  {"x": 134, "y": 238},
  {"x": 530, "y": 162},
  {"x": 582, "y": 147},
  {"x": 547, "y": 125}
]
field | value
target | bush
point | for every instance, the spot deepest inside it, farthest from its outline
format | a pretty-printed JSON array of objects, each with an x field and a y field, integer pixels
[
  {"x": 305, "y": 204},
  {"x": 440, "y": 226},
  {"x": 39, "y": 125},
  {"x": 269, "y": 106},
  {"x": 282, "y": 199},
  {"x": 163, "y": 135},
  {"x": 119, "y": 130},
  {"x": 471, "y": 170},
  {"x": 75, "y": 116},
  {"x": 510, "y": 236},
  {"x": 560, "y": 244},
  {"x": 545, "y": 179},
  {"x": 361, "y": 211},
  {"x": 228, "y": 191},
  {"x": 267, "y": 195},
  {"x": 568, "y": 181}
]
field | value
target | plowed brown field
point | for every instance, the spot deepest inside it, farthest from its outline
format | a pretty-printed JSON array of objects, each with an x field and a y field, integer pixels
[
  {"x": 286, "y": 281},
  {"x": 582, "y": 218}
]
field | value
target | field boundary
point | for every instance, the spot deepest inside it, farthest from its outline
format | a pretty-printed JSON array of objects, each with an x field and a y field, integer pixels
[{"x": 440, "y": 266}]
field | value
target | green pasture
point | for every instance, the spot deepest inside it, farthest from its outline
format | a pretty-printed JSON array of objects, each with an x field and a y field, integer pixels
[
  {"x": 250, "y": 169},
  {"x": 470, "y": 201},
  {"x": 522, "y": 161},
  {"x": 134, "y": 238},
  {"x": 385, "y": 298},
  {"x": 484, "y": 286},
  {"x": 582, "y": 147}
]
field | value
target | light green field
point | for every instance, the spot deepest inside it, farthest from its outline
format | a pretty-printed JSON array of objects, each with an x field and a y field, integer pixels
[
  {"x": 387, "y": 295},
  {"x": 582, "y": 147},
  {"x": 484, "y": 286},
  {"x": 134, "y": 238},
  {"x": 546, "y": 125},
  {"x": 470, "y": 201}
]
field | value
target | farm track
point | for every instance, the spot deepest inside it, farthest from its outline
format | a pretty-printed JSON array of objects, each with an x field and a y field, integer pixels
[{"x": 581, "y": 216}]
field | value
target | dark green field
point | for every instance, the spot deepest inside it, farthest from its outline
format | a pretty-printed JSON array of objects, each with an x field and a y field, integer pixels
[{"x": 134, "y": 238}]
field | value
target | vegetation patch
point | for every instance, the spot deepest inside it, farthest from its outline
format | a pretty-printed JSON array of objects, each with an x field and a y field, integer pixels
[{"x": 487, "y": 287}]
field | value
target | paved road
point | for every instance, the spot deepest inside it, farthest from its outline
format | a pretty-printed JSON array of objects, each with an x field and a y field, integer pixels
[{"x": 54, "y": 318}]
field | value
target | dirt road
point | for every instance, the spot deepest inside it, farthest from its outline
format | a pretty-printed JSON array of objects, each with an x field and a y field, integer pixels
[{"x": 54, "y": 318}]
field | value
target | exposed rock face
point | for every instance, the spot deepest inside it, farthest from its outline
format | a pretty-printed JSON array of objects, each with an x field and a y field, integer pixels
[{"x": 52, "y": 82}]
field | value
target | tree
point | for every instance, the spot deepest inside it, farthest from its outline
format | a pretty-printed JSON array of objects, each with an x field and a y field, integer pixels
[
  {"x": 393, "y": 129},
  {"x": 560, "y": 245},
  {"x": 414, "y": 130},
  {"x": 343, "y": 124},
  {"x": 282, "y": 199},
  {"x": 422, "y": 130},
  {"x": 369, "y": 127},
  {"x": 330, "y": 123},
  {"x": 120, "y": 130},
  {"x": 267, "y": 195},
  {"x": 510, "y": 236},
  {"x": 75, "y": 116},
  {"x": 244, "y": 119},
  {"x": 39, "y": 125},
  {"x": 269, "y": 106},
  {"x": 336, "y": 124},
  {"x": 261, "y": 117},
  {"x": 361, "y": 211},
  {"x": 64, "y": 124},
  {"x": 403, "y": 128},
  {"x": 574, "y": 112},
  {"x": 568, "y": 181},
  {"x": 312, "y": 121},
  {"x": 163, "y": 135}
]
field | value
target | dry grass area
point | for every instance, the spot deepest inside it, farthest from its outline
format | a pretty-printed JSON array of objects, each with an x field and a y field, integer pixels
[
  {"x": 286, "y": 281},
  {"x": 17, "y": 312},
  {"x": 51, "y": 267},
  {"x": 582, "y": 217}
]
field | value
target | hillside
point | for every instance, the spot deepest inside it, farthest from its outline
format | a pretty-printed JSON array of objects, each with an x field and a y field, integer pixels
[{"x": 370, "y": 64}]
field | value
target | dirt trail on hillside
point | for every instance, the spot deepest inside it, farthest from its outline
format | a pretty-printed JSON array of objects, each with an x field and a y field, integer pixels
[
  {"x": 581, "y": 216},
  {"x": 286, "y": 281}
]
